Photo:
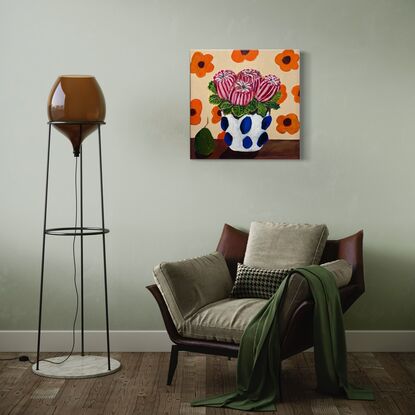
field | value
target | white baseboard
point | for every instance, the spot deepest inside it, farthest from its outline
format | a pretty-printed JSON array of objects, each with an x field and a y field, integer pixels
[
  {"x": 95, "y": 341},
  {"x": 158, "y": 341},
  {"x": 380, "y": 340}
]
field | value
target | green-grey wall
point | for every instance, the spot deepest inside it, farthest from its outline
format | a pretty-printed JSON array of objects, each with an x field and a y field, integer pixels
[{"x": 357, "y": 170}]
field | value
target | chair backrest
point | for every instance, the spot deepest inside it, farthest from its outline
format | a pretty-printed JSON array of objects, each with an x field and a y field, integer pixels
[{"x": 232, "y": 246}]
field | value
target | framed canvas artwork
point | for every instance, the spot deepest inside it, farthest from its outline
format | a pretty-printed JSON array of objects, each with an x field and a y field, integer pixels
[{"x": 245, "y": 104}]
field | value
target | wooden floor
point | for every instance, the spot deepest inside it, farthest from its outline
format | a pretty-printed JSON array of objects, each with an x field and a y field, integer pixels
[{"x": 140, "y": 387}]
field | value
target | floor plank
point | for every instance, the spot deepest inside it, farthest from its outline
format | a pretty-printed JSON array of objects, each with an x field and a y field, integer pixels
[
  {"x": 140, "y": 387},
  {"x": 119, "y": 394}
]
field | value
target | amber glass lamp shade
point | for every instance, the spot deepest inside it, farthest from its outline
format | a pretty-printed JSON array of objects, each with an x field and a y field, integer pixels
[{"x": 76, "y": 98}]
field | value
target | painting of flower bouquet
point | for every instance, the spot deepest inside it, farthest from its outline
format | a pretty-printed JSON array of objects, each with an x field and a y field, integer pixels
[{"x": 245, "y": 104}]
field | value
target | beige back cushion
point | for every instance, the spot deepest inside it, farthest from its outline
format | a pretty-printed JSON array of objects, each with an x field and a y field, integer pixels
[
  {"x": 189, "y": 285},
  {"x": 282, "y": 245}
]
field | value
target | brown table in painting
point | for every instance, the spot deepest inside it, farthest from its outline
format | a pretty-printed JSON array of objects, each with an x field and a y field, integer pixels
[{"x": 273, "y": 149}]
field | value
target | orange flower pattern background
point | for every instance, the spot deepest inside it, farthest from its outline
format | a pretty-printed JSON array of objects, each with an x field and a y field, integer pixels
[
  {"x": 201, "y": 64},
  {"x": 195, "y": 111},
  {"x": 239, "y": 56},
  {"x": 283, "y": 63},
  {"x": 287, "y": 60},
  {"x": 288, "y": 123},
  {"x": 216, "y": 114},
  {"x": 283, "y": 96},
  {"x": 296, "y": 93},
  {"x": 221, "y": 135}
]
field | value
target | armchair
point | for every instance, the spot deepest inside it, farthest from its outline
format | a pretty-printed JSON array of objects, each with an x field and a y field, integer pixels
[{"x": 297, "y": 333}]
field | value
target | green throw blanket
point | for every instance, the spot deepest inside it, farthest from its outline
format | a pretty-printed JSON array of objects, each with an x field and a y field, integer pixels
[{"x": 259, "y": 365}]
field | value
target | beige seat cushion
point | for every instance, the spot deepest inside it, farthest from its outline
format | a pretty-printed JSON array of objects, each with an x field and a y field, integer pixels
[
  {"x": 227, "y": 319},
  {"x": 189, "y": 285},
  {"x": 223, "y": 320},
  {"x": 281, "y": 245}
]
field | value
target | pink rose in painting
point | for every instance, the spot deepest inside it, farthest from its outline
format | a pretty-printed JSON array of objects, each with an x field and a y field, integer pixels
[
  {"x": 250, "y": 75},
  {"x": 224, "y": 81},
  {"x": 268, "y": 86},
  {"x": 242, "y": 93}
]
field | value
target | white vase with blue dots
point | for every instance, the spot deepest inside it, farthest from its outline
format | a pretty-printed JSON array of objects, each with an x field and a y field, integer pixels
[{"x": 247, "y": 133}]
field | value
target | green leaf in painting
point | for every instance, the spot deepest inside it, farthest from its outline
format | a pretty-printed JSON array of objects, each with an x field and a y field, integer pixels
[
  {"x": 272, "y": 104},
  {"x": 215, "y": 99},
  {"x": 224, "y": 105},
  {"x": 262, "y": 109},
  {"x": 246, "y": 110},
  {"x": 252, "y": 106},
  {"x": 212, "y": 87},
  {"x": 204, "y": 142},
  {"x": 227, "y": 111},
  {"x": 276, "y": 96},
  {"x": 238, "y": 111}
]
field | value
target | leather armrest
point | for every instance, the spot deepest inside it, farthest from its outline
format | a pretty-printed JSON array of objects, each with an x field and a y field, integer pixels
[{"x": 349, "y": 294}]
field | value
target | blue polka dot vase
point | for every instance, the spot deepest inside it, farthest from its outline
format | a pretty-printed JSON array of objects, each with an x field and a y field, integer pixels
[{"x": 247, "y": 133}]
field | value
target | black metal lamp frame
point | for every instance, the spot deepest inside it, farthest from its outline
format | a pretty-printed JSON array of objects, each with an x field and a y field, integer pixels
[{"x": 76, "y": 231}]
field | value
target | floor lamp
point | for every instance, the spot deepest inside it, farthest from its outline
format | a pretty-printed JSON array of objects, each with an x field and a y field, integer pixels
[{"x": 76, "y": 108}]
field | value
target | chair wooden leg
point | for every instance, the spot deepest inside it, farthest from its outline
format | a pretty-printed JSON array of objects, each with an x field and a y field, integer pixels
[{"x": 173, "y": 363}]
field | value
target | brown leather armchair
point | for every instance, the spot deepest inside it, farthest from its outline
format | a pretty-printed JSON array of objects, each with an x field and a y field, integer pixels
[{"x": 299, "y": 333}]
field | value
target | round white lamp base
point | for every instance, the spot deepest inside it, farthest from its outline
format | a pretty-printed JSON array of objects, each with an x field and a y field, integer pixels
[{"x": 76, "y": 367}]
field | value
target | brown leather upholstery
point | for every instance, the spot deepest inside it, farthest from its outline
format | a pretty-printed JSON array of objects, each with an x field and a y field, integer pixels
[
  {"x": 232, "y": 245},
  {"x": 299, "y": 334}
]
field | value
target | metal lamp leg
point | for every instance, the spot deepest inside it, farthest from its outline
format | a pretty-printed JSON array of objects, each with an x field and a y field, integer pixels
[
  {"x": 103, "y": 249},
  {"x": 43, "y": 254},
  {"x": 82, "y": 245}
]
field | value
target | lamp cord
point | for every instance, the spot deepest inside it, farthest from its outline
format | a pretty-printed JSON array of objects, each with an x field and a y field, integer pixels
[{"x": 26, "y": 358}]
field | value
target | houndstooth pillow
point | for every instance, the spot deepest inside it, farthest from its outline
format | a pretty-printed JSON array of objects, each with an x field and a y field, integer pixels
[{"x": 257, "y": 282}]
